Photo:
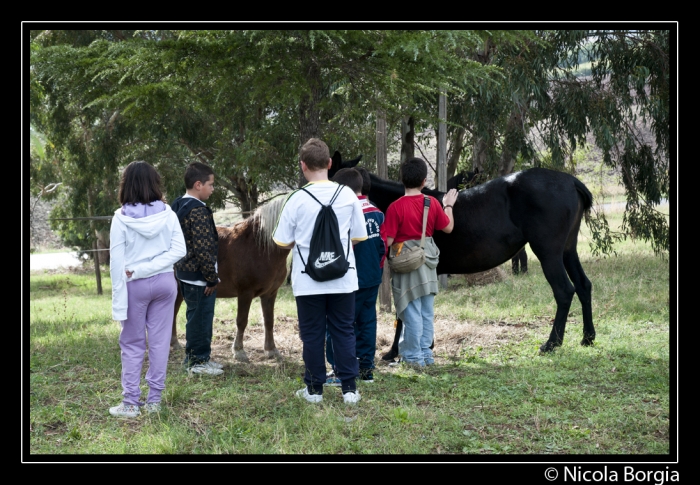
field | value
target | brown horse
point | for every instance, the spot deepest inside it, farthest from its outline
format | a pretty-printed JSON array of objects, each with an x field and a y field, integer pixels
[{"x": 250, "y": 265}]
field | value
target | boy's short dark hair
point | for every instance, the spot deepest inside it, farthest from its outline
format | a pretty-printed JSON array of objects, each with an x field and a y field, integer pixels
[
  {"x": 315, "y": 154},
  {"x": 197, "y": 171},
  {"x": 140, "y": 183},
  {"x": 413, "y": 172},
  {"x": 366, "y": 180},
  {"x": 350, "y": 177}
]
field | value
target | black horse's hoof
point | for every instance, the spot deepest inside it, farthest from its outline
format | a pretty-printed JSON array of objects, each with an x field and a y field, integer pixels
[
  {"x": 389, "y": 356},
  {"x": 549, "y": 347},
  {"x": 588, "y": 341}
]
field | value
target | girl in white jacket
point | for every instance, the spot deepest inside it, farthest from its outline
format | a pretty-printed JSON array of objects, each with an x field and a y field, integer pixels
[{"x": 145, "y": 241}]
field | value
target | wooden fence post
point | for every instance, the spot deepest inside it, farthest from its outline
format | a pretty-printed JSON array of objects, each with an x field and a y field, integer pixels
[
  {"x": 96, "y": 259},
  {"x": 383, "y": 172},
  {"x": 441, "y": 158}
]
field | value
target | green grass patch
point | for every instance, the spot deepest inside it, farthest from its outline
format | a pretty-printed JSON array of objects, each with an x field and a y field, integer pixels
[{"x": 491, "y": 391}]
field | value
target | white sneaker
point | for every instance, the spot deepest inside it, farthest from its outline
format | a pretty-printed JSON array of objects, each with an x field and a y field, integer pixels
[
  {"x": 205, "y": 369},
  {"x": 352, "y": 397},
  {"x": 215, "y": 365},
  {"x": 152, "y": 407},
  {"x": 125, "y": 411},
  {"x": 309, "y": 397}
]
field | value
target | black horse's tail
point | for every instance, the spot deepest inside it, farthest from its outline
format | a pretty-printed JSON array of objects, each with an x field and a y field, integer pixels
[{"x": 584, "y": 193}]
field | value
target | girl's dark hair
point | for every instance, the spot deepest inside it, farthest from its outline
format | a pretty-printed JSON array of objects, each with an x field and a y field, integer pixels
[
  {"x": 140, "y": 183},
  {"x": 413, "y": 172}
]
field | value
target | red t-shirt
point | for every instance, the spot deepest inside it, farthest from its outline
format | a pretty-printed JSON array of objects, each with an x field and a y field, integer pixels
[{"x": 404, "y": 218}]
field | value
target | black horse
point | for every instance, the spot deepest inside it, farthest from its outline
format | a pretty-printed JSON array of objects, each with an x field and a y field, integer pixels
[
  {"x": 466, "y": 179},
  {"x": 494, "y": 220}
]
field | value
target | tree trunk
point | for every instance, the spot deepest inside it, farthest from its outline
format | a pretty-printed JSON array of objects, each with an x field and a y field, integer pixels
[
  {"x": 102, "y": 236},
  {"x": 456, "y": 149},
  {"x": 246, "y": 193},
  {"x": 407, "y": 138},
  {"x": 479, "y": 160},
  {"x": 309, "y": 113},
  {"x": 514, "y": 135}
]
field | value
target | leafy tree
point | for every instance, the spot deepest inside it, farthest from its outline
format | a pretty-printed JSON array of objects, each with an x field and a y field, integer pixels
[
  {"x": 245, "y": 100},
  {"x": 538, "y": 103}
]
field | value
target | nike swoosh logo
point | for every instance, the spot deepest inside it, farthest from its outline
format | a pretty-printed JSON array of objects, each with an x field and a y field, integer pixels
[{"x": 321, "y": 264}]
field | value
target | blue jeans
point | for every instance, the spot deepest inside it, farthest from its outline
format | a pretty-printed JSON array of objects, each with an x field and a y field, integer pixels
[
  {"x": 417, "y": 334},
  {"x": 365, "y": 329},
  {"x": 200, "y": 322}
]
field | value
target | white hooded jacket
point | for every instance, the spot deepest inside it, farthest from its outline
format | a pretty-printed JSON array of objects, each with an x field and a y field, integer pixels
[{"x": 147, "y": 246}]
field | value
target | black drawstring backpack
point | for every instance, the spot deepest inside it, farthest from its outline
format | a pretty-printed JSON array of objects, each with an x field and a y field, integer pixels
[{"x": 326, "y": 259}]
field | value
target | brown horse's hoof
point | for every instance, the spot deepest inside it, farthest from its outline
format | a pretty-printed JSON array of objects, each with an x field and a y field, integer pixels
[
  {"x": 273, "y": 354},
  {"x": 240, "y": 355},
  {"x": 175, "y": 344}
]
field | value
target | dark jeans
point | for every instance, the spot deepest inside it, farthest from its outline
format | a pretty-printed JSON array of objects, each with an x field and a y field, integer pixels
[
  {"x": 337, "y": 311},
  {"x": 200, "y": 322},
  {"x": 365, "y": 329}
]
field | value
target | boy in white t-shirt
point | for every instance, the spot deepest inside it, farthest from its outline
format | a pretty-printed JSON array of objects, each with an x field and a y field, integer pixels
[{"x": 331, "y": 302}]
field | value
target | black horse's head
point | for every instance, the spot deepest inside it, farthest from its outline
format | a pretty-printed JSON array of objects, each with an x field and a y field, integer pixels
[{"x": 338, "y": 163}]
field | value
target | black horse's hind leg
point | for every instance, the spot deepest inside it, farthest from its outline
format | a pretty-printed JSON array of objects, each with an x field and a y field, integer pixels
[
  {"x": 553, "y": 268},
  {"x": 583, "y": 287},
  {"x": 394, "y": 351},
  {"x": 519, "y": 262}
]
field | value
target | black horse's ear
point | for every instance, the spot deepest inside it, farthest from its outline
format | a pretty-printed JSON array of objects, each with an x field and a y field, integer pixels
[
  {"x": 337, "y": 159},
  {"x": 351, "y": 163},
  {"x": 336, "y": 164}
]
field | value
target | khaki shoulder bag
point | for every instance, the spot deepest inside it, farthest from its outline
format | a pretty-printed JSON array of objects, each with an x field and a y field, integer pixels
[{"x": 407, "y": 260}]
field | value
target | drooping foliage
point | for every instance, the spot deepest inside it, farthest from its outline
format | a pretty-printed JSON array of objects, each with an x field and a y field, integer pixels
[{"x": 245, "y": 100}]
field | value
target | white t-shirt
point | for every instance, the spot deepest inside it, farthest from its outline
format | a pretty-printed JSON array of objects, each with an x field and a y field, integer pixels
[{"x": 296, "y": 225}]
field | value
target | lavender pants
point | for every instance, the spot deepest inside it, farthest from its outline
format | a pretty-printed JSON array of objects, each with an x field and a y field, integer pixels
[{"x": 149, "y": 320}]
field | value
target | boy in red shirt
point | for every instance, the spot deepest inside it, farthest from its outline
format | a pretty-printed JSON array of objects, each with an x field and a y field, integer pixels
[{"x": 414, "y": 292}]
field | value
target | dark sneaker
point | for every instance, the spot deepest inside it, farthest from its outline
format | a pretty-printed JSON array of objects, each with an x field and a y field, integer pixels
[{"x": 332, "y": 381}]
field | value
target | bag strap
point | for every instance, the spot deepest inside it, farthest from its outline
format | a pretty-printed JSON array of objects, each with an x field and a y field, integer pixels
[
  {"x": 426, "y": 207},
  {"x": 335, "y": 194}
]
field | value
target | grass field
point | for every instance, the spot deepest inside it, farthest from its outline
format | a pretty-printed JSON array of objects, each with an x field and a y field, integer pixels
[{"x": 491, "y": 392}]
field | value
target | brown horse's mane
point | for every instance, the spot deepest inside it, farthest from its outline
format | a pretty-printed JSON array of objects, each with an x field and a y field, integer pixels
[{"x": 264, "y": 221}]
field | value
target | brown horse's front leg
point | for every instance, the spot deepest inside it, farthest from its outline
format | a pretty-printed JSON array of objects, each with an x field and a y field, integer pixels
[
  {"x": 244, "y": 302},
  {"x": 267, "y": 302},
  {"x": 174, "y": 343}
]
